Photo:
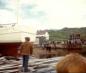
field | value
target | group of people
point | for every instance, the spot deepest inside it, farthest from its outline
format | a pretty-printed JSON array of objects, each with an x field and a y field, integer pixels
[
  {"x": 50, "y": 45},
  {"x": 26, "y": 50},
  {"x": 74, "y": 43}
]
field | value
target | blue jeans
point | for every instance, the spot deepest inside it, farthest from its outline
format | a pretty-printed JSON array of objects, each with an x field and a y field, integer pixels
[{"x": 25, "y": 62}]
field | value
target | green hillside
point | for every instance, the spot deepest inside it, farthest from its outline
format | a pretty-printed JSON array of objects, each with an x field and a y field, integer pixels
[{"x": 64, "y": 33}]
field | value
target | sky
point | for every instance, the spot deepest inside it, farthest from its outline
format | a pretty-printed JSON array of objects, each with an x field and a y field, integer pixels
[{"x": 44, "y": 14}]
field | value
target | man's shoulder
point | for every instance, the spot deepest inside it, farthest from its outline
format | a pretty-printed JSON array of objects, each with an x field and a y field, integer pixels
[
  {"x": 30, "y": 43},
  {"x": 27, "y": 43}
]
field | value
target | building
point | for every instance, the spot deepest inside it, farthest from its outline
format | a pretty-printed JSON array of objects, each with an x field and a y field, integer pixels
[{"x": 42, "y": 36}]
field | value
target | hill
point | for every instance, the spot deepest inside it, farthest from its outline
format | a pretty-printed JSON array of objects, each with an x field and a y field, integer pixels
[{"x": 64, "y": 33}]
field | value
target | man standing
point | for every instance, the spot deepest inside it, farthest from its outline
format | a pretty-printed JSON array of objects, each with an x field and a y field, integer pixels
[{"x": 26, "y": 50}]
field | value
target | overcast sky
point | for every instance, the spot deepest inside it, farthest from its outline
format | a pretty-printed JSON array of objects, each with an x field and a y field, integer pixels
[{"x": 45, "y": 14}]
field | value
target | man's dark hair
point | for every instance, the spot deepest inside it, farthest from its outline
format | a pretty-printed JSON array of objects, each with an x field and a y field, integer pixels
[{"x": 27, "y": 38}]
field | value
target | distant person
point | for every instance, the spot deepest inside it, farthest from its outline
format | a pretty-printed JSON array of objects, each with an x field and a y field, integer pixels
[
  {"x": 48, "y": 47},
  {"x": 26, "y": 50}
]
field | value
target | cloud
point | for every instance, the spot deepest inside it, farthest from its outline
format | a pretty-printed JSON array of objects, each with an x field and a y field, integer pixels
[
  {"x": 6, "y": 5},
  {"x": 3, "y": 4},
  {"x": 7, "y": 17},
  {"x": 7, "y": 11},
  {"x": 64, "y": 13},
  {"x": 21, "y": 8},
  {"x": 32, "y": 12},
  {"x": 48, "y": 13}
]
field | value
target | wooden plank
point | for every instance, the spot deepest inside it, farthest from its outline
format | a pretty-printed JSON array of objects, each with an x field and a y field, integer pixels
[{"x": 35, "y": 66}]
